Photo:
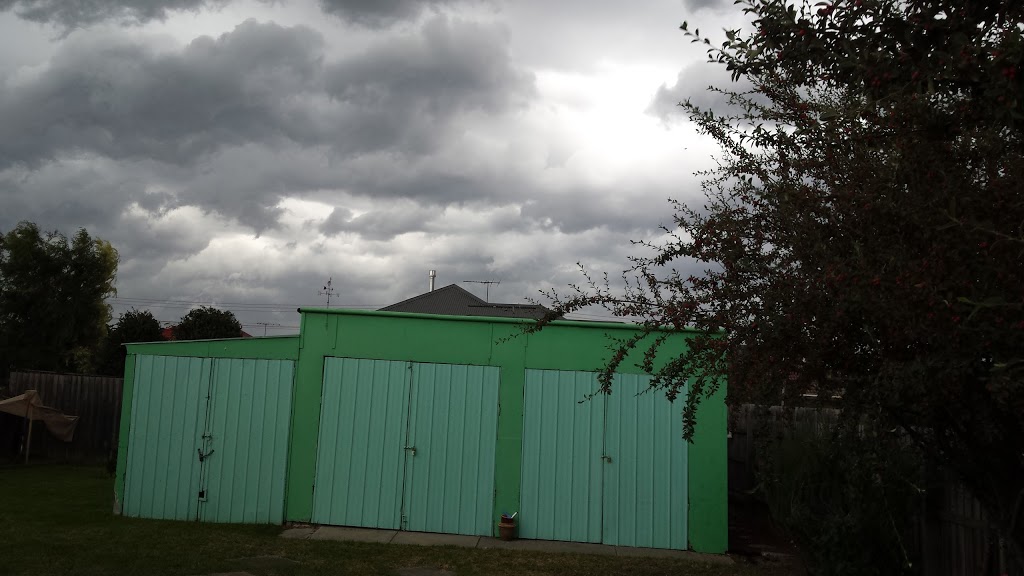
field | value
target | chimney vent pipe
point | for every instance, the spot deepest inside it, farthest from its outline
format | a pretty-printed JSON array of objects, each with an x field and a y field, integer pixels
[{"x": 433, "y": 274}]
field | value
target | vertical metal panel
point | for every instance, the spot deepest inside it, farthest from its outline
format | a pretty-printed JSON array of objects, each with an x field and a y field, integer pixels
[
  {"x": 168, "y": 407},
  {"x": 561, "y": 470},
  {"x": 360, "y": 452},
  {"x": 453, "y": 422},
  {"x": 645, "y": 480},
  {"x": 246, "y": 441}
]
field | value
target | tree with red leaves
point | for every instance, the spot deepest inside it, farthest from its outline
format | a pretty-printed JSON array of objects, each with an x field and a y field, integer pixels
[{"x": 863, "y": 233}]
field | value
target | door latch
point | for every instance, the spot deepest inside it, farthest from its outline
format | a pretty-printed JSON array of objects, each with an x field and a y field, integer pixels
[
  {"x": 606, "y": 458},
  {"x": 411, "y": 449},
  {"x": 203, "y": 456}
]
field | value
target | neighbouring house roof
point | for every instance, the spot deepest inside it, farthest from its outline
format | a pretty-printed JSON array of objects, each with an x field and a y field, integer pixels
[{"x": 453, "y": 300}]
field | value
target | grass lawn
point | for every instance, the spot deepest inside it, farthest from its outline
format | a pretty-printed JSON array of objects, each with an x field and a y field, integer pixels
[{"x": 58, "y": 520}]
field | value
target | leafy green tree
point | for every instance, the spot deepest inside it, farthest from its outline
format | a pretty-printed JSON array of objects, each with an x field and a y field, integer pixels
[
  {"x": 207, "y": 322},
  {"x": 132, "y": 326},
  {"x": 862, "y": 235},
  {"x": 53, "y": 310}
]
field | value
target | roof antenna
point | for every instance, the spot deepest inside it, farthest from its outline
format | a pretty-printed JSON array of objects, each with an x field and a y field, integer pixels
[
  {"x": 487, "y": 289},
  {"x": 328, "y": 290}
]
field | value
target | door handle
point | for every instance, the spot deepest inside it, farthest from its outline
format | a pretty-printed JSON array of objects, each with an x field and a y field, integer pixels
[
  {"x": 203, "y": 456},
  {"x": 411, "y": 449},
  {"x": 606, "y": 458}
]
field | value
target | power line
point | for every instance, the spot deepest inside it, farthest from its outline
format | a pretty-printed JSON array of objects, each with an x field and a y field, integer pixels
[
  {"x": 272, "y": 307},
  {"x": 173, "y": 322},
  {"x": 267, "y": 325},
  {"x": 249, "y": 306}
]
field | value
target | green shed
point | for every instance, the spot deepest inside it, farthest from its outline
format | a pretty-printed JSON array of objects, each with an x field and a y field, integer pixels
[{"x": 420, "y": 422}]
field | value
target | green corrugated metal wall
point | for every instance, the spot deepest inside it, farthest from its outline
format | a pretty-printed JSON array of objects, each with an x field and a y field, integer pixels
[
  {"x": 246, "y": 437},
  {"x": 406, "y": 439},
  {"x": 243, "y": 434},
  {"x": 561, "y": 473},
  {"x": 612, "y": 469},
  {"x": 168, "y": 407}
]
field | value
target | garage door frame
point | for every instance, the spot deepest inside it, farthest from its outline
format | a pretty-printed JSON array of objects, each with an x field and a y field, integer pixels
[
  {"x": 628, "y": 462},
  {"x": 418, "y": 418}
]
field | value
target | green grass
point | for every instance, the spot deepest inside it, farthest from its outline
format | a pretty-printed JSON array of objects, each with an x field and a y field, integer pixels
[{"x": 58, "y": 520}]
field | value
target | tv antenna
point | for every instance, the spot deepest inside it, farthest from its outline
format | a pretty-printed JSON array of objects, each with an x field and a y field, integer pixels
[
  {"x": 328, "y": 290},
  {"x": 265, "y": 324},
  {"x": 487, "y": 286}
]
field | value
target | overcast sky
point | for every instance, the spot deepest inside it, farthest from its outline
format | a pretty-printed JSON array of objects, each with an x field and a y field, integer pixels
[{"x": 240, "y": 153}]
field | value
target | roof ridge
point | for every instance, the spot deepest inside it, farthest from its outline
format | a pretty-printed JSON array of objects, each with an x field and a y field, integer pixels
[{"x": 434, "y": 293}]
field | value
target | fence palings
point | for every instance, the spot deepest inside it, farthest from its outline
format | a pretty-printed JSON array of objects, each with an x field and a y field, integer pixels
[
  {"x": 96, "y": 400},
  {"x": 955, "y": 537}
]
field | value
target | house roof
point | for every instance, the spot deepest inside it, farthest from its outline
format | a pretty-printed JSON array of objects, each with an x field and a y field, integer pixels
[{"x": 454, "y": 300}]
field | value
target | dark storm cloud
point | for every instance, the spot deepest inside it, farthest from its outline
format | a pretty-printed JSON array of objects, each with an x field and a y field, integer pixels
[
  {"x": 405, "y": 89},
  {"x": 66, "y": 195},
  {"x": 70, "y": 14},
  {"x": 378, "y": 13},
  {"x": 123, "y": 100},
  {"x": 391, "y": 220},
  {"x": 236, "y": 123},
  {"x": 260, "y": 83},
  {"x": 336, "y": 222},
  {"x": 580, "y": 210},
  {"x": 434, "y": 182},
  {"x": 695, "y": 83},
  {"x": 715, "y": 5},
  {"x": 95, "y": 195}
]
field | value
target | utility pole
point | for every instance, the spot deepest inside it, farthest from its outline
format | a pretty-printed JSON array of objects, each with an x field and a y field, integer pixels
[
  {"x": 328, "y": 290},
  {"x": 487, "y": 284},
  {"x": 265, "y": 324}
]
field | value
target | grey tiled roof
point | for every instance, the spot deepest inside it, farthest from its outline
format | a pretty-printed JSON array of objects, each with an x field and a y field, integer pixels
[{"x": 456, "y": 301}]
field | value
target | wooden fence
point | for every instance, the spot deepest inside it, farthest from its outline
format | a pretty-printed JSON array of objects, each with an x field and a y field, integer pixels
[
  {"x": 954, "y": 537},
  {"x": 96, "y": 400}
]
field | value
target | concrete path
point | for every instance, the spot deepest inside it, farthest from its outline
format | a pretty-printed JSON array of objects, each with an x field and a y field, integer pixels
[{"x": 347, "y": 534}]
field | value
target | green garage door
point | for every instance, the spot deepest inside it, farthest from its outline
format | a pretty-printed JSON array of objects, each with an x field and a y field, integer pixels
[
  {"x": 208, "y": 439},
  {"x": 610, "y": 470},
  {"x": 561, "y": 475},
  {"x": 168, "y": 413},
  {"x": 645, "y": 481},
  {"x": 453, "y": 428},
  {"x": 245, "y": 442},
  {"x": 407, "y": 445},
  {"x": 360, "y": 452}
]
